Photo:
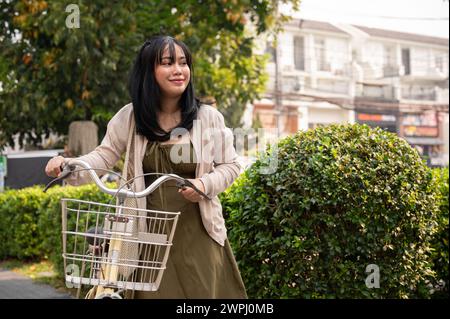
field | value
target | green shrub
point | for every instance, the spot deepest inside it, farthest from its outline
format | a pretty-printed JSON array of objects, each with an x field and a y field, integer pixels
[
  {"x": 19, "y": 234},
  {"x": 440, "y": 241},
  {"x": 30, "y": 220},
  {"x": 343, "y": 197}
]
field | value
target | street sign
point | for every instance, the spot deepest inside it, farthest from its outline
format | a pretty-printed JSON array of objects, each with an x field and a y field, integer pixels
[
  {"x": 3, "y": 170},
  {"x": 3, "y": 165}
]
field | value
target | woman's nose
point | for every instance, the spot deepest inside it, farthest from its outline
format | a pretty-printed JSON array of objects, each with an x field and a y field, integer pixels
[{"x": 177, "y": 68}]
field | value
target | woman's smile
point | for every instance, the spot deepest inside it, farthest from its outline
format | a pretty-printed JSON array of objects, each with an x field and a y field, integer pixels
[{"x": 177, "y": 81}]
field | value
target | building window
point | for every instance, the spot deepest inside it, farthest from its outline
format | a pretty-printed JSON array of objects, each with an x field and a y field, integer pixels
[
  {"x": 299, "y": 53},
  {"x": 439, "y": 62},
  {"x": 319, "y": 46},
  {"x": 389, "y": 56},
  {"x": 406, "y": 61}
]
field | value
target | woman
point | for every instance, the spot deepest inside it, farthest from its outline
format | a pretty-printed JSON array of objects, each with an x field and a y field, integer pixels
[{"x": 164, "y": 118}]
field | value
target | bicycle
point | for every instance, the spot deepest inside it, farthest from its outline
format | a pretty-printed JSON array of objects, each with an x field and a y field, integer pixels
[{"x": 113, "y": 247}]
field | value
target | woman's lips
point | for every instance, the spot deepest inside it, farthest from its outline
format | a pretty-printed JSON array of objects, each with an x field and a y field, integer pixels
[{"x": 177, "y": 82}]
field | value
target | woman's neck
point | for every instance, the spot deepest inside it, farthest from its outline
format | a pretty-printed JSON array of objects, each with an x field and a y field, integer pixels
[{"x": 170, "y": 105}]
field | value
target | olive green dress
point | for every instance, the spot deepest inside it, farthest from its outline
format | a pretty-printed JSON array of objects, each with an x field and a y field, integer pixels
[{"x": 198, "y": 267}]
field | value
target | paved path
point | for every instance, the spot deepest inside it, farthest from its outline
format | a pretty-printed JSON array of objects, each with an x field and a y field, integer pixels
[{"x": 17, "y": 286}]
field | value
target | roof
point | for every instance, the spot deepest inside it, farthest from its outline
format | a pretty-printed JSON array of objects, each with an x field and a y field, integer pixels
[
  {"x": 315, "y": 25},
  {"x": 375, "y": 32},
  {"x": 403, "y": 36}
]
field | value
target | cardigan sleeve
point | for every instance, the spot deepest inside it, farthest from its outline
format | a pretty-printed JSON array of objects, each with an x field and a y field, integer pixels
[
  {"x": 226, "y": 163},
  {"x": 107, "y": 153}
]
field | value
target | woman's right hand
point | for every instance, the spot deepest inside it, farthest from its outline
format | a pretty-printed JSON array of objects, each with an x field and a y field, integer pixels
[{"x": 53, "y": 168}]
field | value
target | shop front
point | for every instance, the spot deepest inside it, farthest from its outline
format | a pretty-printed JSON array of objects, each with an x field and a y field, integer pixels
[
  {"x": 421, "y": 130},
  {"x": 385, "y": 120}
]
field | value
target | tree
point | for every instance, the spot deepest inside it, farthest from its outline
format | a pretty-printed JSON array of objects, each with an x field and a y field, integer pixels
[
  {"x": 59, "y": 74},
  {"x": 56, "y": 75}
]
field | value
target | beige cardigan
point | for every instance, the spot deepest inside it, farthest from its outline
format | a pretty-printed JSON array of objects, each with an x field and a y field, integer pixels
[{"x": 217, "y": 167}]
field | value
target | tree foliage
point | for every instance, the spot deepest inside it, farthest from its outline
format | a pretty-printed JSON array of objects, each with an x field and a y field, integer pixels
[
  {"x": 440, "y": 241},
  {"x": 59, "y": 74},
  {"x": 52, "y": 74}
]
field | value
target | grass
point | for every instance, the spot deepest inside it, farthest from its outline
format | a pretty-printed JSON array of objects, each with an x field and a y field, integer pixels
[{"x": 30, "y": 269}]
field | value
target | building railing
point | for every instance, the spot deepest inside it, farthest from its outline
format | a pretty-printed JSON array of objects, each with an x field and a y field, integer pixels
[{"x": 417, "y": 93}]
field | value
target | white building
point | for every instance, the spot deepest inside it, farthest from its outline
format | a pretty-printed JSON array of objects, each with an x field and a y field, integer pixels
[
  {"x": 314, "y": 65},
  {"x": 340, "y": 73},
  {"x": 410, "y": 72}
]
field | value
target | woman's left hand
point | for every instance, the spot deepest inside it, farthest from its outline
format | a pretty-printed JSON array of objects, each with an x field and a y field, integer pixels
[{"x": 191, "y": 194}]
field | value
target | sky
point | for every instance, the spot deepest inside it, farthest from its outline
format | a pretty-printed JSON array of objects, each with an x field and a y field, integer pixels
[{"x": 428, "y": 17}]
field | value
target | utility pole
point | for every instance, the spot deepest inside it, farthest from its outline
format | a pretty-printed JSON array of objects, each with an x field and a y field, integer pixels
[{"x": 278, "y": 80}]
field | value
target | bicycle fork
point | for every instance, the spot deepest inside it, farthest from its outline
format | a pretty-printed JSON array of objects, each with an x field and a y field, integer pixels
[{"x": 110, "y": 273}]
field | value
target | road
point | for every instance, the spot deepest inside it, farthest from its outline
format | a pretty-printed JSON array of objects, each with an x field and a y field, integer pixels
[{"x": 17, "y": 286}]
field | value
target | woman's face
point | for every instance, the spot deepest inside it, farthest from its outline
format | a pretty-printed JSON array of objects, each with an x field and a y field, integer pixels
[{"x": 172, "y": 76}]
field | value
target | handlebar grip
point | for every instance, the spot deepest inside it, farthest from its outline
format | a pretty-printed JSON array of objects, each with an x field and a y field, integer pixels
[
  {"x": 66, "y": 170},
  {"x": 66, "y": 167},
  {"x": 187, "y": 183}
]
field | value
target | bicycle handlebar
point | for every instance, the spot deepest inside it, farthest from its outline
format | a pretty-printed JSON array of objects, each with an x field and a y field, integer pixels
[{"x": 70, "y": 165}]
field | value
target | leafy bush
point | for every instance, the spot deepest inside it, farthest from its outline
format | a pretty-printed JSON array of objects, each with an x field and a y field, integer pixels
[
  {"x": 30, "y": 220},
  {"x": 343, "y": 197},
  {"x": 440, "y": 241},
  {"x": 19, "y": 234}
]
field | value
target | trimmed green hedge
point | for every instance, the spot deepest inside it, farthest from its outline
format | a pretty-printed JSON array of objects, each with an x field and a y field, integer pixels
[
  {"x": 19, "y": 234},
  {"x": 440, "y": 241},
  {"x": 343, "y": 197},
  {"x": 30, "y": 220}
]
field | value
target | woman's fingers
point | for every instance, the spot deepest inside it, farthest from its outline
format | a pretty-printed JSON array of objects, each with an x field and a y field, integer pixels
[
  {"x": 56, "y": 171},
  {"x": 53, "y": 168},
  {"x": 190, "y": 194}
]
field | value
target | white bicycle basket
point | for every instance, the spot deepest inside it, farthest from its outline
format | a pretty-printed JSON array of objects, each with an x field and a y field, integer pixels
[{"x": 115, "y": 246}]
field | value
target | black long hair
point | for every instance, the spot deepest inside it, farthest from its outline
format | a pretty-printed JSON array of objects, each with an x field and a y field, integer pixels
[{"x": 145, "y": 92}]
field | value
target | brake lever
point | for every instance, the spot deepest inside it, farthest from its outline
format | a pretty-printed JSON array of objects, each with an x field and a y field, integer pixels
[
  {"x": 186, "y": 183},
  {"x": 66, "y": 170}
]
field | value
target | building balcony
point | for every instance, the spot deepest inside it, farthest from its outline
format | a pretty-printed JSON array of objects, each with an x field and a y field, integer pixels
[
  {"x": 324, "y": 70},
  {"x": 422, "y": 73},
  {"x": 390, "y": 71},
  {"x": 375, "y": 92},
  {"x": 434, "y": 94}
]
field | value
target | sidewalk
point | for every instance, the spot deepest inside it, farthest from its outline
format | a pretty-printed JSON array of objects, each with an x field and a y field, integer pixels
[{"x": 17, "y": 286}]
